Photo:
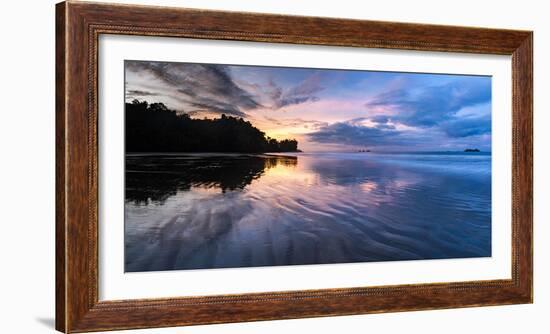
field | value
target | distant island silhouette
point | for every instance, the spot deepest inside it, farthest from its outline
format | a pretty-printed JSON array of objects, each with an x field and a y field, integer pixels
[
  {"x": 471, "y": 150},
  {"x": 152, "y": 127}
]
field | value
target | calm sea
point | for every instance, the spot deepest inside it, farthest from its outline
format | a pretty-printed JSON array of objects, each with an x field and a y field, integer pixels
[{"x": 195, "y": 211}]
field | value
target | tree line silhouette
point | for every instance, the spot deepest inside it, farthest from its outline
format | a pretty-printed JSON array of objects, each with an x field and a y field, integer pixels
[{"x": 155, "y": 128}]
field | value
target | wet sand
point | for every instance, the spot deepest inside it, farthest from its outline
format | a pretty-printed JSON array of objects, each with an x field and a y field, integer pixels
[{"x": 197, "y": 211}]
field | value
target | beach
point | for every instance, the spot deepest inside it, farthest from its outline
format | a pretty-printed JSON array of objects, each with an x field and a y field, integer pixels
[{"x": 204, "y": 211}]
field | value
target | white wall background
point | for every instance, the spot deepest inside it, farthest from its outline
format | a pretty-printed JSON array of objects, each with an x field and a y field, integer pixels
[{"x": 27, "y": 165}]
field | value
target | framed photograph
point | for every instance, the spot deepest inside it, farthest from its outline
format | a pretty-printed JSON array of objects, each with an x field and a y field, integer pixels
[{"x": 223, "y": 167}]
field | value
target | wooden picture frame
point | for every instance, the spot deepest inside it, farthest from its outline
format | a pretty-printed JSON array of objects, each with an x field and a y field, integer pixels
[{"x": 78, "y": 26}]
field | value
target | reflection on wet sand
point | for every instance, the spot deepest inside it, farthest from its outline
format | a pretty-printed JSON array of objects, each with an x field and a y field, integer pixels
[
  {"x": 156, "y": 177},
  {"x": 217, "y": 211}
]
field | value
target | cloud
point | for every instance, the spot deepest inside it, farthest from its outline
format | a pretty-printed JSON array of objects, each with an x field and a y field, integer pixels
[
  {"x": 382, "y": 119},
  {"x": 436, "y": 106},
  {"x": 301, "y": 93},
  {"x": 207, "y": 87},
  {"x": 136, "y": 93},
  {"x": 297, "y": 122},
  {"x": 352, "y": 133},
  {"x": 388, "y": 137},
  {"x": 466, "y": 127}
]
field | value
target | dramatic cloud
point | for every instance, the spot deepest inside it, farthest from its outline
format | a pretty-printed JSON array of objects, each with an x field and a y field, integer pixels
[
  {"x": 436, "y": 106},
  {"x": 303, "y": 92},
  {"x": 466, "y": 127},
  {"x": 354, "y": 134},
  {"x": 388, "y": 137},
  {"x": 139, "y": 93},
  {"x": 207, "y": 87},
  {"x": 297, "y": 122}
]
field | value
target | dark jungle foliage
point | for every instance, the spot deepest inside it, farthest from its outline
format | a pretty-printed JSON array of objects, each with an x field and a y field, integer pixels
[{"x": 155, "y": 128}]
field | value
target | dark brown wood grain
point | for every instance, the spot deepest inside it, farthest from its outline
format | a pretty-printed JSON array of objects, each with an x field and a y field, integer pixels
[
  {"x": 60, "y": 99},
  {"x": 78, "y": 27}
]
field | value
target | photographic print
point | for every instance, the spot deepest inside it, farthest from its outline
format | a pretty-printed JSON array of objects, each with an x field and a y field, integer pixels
[{"x": 244, "y": 166}]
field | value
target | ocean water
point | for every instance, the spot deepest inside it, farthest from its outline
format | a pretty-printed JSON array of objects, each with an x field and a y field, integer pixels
[{"x": 198, "y": 211}]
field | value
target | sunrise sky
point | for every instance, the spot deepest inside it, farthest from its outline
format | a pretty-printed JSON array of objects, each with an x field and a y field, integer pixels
[{"x": 324, "y": 109}]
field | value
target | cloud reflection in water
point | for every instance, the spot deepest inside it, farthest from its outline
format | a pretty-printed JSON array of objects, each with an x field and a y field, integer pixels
[{"x": 217, "y": 211}]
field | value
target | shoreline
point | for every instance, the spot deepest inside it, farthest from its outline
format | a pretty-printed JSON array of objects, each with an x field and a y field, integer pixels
[{"x": 441, "y": 153}]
